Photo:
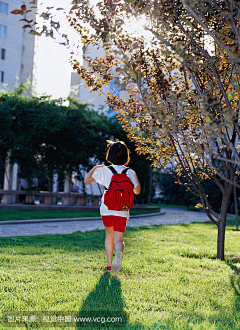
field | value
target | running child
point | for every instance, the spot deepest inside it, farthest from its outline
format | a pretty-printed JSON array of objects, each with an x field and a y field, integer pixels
[{"x": 114, "y": 220}]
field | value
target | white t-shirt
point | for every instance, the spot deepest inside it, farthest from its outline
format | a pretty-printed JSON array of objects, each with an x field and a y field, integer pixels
[{"x": 103, "y": 176}]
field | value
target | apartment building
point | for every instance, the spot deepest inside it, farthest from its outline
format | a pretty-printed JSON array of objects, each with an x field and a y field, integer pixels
[
  {"x": 16, "y": 62},
  {"x": 16, "y": 46}
]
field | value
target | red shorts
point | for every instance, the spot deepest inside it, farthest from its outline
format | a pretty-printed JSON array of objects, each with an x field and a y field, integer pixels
[{"x": 118, "y": 223}]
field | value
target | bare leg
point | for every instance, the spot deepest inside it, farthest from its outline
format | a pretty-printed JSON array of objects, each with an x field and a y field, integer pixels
[
  {"x": 118, "y": 241},
  {"x": 119, "y": 246},
  {"x": 109, "y": 244}
]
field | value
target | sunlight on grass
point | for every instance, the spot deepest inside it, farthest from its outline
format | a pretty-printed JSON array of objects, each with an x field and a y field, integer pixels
[{"x": 169, "y": 279}]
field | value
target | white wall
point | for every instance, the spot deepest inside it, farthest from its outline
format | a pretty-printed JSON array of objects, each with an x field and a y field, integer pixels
[{"x": 13, "y": 43}]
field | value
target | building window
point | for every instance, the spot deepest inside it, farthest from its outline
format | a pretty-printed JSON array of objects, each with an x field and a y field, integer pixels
[
  {"x": 1, "y": 76},
  {"x": 3, "y": 31},
  {"x": 2, "y": 53},
  {"x": 3, "y": 8}
]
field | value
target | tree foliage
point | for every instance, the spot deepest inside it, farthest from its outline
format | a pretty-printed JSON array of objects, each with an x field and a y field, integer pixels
[
  {"x": 41, "y": 132},
  {"x": 46, "y": 137},
  {"x": 183, "y": 85}
]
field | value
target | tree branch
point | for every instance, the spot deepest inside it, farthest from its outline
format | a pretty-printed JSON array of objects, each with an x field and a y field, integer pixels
[{"x": 206, "y": 28}]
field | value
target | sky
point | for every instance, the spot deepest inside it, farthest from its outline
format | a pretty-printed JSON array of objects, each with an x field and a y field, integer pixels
[{"x": 52, "y": 68}]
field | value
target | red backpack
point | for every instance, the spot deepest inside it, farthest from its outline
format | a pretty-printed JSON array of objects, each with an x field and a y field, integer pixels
[{"x": 119, "y": 195}]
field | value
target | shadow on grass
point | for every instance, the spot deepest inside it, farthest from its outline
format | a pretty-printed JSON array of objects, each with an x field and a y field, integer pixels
[
  {"x": 106, "y": 298},
  {"x": 104, "y": 307},
  {"x": 81, "y": 242},
  {"x": 235, "y": 281},
  {"x": 107, "y": 310},
  {"x": 76, "y": 242}
]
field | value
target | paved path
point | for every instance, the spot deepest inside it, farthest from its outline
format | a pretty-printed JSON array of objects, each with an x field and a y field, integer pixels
[{"x": 171, "y": 216}]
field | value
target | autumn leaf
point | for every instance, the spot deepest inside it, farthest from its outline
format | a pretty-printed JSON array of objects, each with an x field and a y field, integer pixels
[
  {"x": 133, "y": 74},
  {"x": 17, "y": 12},
  {"x": 120, "y": 70},
  {"x": 35, "y": 33}
]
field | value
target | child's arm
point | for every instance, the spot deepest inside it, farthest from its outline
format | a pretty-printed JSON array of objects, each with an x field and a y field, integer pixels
[
  {"x": 137, "y": 190},
  {"x": 88, "y": 179}
]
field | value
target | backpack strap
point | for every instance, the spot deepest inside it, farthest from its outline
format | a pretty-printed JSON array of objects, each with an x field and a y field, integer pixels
[
  {"x": 112, "y": 169},
  {"x": 125, "y": 170}
]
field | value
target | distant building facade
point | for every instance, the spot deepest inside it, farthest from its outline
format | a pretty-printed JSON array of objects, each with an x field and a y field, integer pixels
[
  {"x": 16, "y": 61},
  {"x": 16, "y": 46}
]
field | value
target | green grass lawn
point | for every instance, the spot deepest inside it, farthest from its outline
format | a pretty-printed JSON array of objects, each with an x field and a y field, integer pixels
[
  {"x": 169, "y": 279},
  {"x": 21, "y": 214}
]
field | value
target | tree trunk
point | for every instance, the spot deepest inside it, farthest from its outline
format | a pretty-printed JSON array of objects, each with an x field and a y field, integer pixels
[{"x": 222, "y": 223}]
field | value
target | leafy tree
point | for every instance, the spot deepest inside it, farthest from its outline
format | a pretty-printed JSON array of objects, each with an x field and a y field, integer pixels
[
  {"x": 42, "y": 134},
  {"x": 46, "y": 137},
  {"x": 183, "y": 85},
  {"x": 2, "y": 169}
]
